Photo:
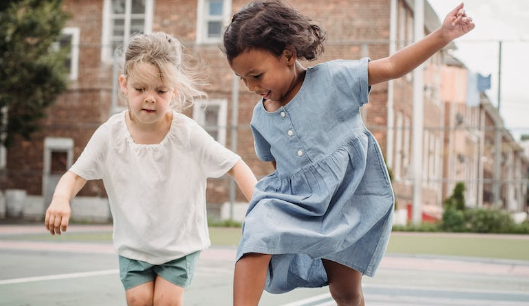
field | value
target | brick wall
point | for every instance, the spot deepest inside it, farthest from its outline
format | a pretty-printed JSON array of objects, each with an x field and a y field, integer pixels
[{"x": 86, "y": 105}]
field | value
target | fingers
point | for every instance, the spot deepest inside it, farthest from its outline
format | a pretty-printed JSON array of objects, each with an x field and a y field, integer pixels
[
  {"x": 56, "y": 223},
  {"x": 457, "y": 9}
]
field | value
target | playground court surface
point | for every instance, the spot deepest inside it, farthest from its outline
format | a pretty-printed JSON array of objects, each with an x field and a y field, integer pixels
[{"x": 64, "y": 273}]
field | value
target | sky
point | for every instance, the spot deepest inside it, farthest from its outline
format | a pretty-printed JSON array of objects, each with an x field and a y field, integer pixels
[{"x": 508, "y": 21}]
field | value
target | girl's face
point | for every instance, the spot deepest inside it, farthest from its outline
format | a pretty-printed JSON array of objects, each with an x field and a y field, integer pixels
[
  {"x": 148, "y": 97},
  {"x": 272, "y": 77}
]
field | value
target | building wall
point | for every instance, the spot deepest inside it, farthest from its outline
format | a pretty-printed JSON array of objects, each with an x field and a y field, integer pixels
[{"x": 355, "y": 29}]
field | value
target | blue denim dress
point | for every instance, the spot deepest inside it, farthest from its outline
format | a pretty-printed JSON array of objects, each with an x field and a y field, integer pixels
[{"x": 330, "y": 196}]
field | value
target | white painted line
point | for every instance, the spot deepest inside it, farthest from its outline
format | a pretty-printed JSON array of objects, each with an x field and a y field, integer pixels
[
  {"x": 311, "y": 300},
  {"x": 444, "y": 289},
  {"x": 58, "y": 276}
]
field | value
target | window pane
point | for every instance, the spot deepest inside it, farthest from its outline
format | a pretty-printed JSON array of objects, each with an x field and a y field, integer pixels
[
  {"x": 138, "y": 6},
  {"x": 137, "y": 25},
  {"x": 211, "y": 115},
  {"x": 118, "y": 27},
  {"x": 65, "y": 43},
  {"x": 118, "y": 6},
  {"x": 215, "y": 8},
  {"x": 214, "y": 29}
]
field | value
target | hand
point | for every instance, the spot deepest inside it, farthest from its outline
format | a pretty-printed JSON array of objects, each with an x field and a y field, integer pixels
[
  {"x": 457, "y": 23},
  {"x": 58, "y": 215}
]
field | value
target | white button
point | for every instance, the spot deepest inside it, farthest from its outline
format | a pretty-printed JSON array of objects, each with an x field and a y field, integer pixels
[
  {"x": 290, "y": 133},
  {"x": 300, "y": 153},
  {"x": 283, "y": 114}
]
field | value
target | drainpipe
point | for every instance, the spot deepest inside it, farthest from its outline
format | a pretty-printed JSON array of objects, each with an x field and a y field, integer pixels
[
  {"x": 391, "y": 115},
  {"x": 234, "y": 123},
  {"x": 418, "y": 109}
]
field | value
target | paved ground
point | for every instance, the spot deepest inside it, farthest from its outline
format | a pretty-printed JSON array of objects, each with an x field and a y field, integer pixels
[{"x": 52, "y": 273}]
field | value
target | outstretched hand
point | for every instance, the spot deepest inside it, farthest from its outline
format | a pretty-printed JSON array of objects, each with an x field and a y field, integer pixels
[{"x": 457, "y": 23}]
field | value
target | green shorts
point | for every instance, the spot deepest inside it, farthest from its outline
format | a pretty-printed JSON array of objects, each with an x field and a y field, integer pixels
[{"x": 136, "y": 272}]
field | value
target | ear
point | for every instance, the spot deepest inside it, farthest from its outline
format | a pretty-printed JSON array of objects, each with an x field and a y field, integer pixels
[
  {"x": 290, "y": 55},
  {"x": 123, "y": 83}
]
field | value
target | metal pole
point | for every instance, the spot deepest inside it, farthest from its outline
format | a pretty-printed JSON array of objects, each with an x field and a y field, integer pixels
[
  {"x": 499, "y": 74},
  {"x": 496, "y": 189},
  {"x": 234, "y": 123},
  {"x": 418, "y": 109}
]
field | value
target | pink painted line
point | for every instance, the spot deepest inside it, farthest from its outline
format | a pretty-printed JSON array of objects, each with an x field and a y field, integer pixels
[
  {"x": 484, "y": 268},
  {"x": 36, "y": 229},
  {"x": 58, "y": 247}
]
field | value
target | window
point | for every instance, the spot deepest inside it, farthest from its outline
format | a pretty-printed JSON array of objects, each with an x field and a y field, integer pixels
[
  {"x": 212, "y": 116},
  {"x": 212, "y": 16},
  {"x": 121, "y": 19},
  {"x": 70, "y": 41}
]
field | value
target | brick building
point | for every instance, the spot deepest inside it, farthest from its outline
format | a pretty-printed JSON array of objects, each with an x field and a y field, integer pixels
[{"x": 355, "y": 29}]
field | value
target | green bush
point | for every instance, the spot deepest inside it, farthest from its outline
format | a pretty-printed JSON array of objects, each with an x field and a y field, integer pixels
[
  {"x": 453, "y": 220},
  {"x": 522, "y": 228},
  {"x": 480, "y": 220},
  {"x": 423, "y": 227},
  {"x": 223, "y": 223},
  {"x": 457, "y": 199}
]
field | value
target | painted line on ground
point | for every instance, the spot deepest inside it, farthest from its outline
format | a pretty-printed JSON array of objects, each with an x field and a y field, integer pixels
[
  {"x": 318, "y": 298},
  {"x": 57, "y": 276}
]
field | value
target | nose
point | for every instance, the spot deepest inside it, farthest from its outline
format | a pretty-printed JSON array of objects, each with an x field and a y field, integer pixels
[
  {"x": 252, "y": 86},
  {"x": 149, "y": 96}
]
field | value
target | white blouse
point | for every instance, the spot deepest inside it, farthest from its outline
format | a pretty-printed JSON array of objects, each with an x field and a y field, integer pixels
[{"x": 157, "y": 192}]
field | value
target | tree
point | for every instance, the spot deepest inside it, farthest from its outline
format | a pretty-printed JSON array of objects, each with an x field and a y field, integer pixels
[
  {"x": 457, "y": 199},
  {"x": 32, "y": 68}
]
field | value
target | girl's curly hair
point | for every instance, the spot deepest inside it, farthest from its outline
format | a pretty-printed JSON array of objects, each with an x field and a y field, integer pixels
[{"x": 272, "y": 26}]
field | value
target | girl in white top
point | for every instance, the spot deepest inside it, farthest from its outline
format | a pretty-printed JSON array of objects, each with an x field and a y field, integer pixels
[{"x": 154, "y": 163}]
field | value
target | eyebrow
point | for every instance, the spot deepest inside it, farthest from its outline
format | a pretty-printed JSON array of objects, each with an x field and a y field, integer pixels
[
  {"x": 253, "y": 71},
  {"x": 144, "y": 84}
]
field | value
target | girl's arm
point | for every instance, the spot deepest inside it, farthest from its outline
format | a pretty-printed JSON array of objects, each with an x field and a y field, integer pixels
[
  {"x": 59, "y": 212},
  {"x": 456, "y": 24},
  {"x": 244, "y": 177}
]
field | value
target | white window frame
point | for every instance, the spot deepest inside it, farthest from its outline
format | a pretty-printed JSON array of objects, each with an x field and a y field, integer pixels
[
  {"x": 199, "y": 108},
  {"x": 74, "y": 51},
  {"x": 407, "y": 153},
  {"x": 399, "y": 154},
  {"x": 203, "y": 18},
  {"x": 107, "y": 53}
]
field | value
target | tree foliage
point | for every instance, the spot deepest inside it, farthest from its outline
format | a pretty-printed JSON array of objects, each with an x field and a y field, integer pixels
[
  {"x": 32, "y": 69},
  {"x": 457, "y": 199}
]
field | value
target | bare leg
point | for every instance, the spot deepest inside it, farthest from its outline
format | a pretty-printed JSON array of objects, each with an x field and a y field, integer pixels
[
  {"x": 250, "y": 278},
  {"x": 345, "y": 284},
  {"x": 141, "y": 295},
  {"x": 167, "y": 294}
]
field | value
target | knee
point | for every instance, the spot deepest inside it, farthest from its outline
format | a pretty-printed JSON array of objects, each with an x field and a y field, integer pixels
[
  {"x": 139, "y": 300},
  {"x": 348, "y": 297}
]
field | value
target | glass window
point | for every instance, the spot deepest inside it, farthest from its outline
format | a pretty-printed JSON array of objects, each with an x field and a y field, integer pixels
[
  {"x": 212, "y": 16},
  {"x": 212, "y": 116},
  {"x": 69, "y": 41},
  {"x": 123, "y": 18}
]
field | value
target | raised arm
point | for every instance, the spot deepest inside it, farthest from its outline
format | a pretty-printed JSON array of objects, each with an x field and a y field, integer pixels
[
  {"x": 59, "y": 212},
  {"x": 455, "y": 24},
  {"x": 244, "y": 177}
]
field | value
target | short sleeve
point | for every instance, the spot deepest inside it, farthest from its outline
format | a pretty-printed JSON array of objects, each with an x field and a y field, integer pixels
[
  {"x": 215, "y": 159},
  {"x": 91, "y": 163},
  {"x": 262, "y": 147},
  {"x": 352, "y": 75}
]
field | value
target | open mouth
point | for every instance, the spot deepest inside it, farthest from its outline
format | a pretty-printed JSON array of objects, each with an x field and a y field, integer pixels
[{"x": 266, "y": 94}]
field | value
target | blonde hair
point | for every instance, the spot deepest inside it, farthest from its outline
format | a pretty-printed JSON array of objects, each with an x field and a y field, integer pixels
[{"x": 166, "y": 53}]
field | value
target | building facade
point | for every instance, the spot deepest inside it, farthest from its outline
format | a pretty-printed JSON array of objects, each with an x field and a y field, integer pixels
[{"x": 355, "y": 29}]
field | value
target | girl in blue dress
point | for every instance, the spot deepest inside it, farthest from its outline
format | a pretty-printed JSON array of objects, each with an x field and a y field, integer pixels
[{"x": 324, "y": 216}]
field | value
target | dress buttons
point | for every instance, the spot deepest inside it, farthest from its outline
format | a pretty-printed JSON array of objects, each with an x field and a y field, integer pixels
[
  {"x": 283, "y": 114},
  {"x": 300, "y": 153},
  {"x": 290, "y": 133}
]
